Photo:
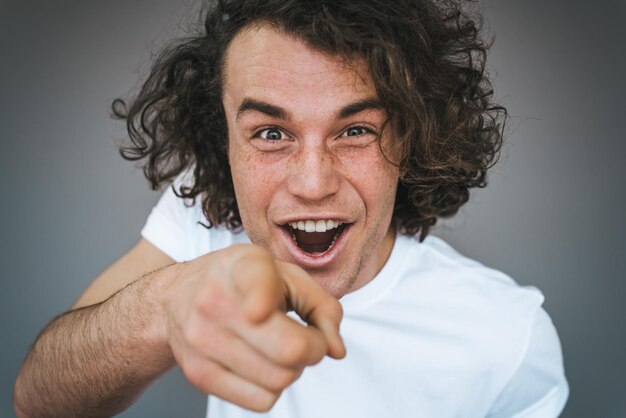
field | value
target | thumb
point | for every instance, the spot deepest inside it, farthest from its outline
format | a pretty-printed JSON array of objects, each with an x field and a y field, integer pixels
[{"x": 258, "y": 284}]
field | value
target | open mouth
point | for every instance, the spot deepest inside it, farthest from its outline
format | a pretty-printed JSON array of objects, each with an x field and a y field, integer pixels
[{"x": 315, "y": 236}]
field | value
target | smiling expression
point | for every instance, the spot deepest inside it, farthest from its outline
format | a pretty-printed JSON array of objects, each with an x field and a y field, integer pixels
[{"x": 305, "y": 136}]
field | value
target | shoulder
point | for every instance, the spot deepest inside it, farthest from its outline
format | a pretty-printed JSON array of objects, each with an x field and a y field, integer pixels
[
  {"x": 435, "y": 266},
  {"x": 179, "y": 228},
  {"x": 498, "y": 324},
  {"x": 460, "y": 297}
]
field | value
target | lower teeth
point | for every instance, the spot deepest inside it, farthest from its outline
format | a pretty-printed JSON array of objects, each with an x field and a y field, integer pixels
[
  {"x": 293, "y": 235},
  {"x": 332, "y": 243}
]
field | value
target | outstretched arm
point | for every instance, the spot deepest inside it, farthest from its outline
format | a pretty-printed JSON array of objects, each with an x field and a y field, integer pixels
[
  {"x": 97, "y": 358},
  {"x": 221, "y": 317}
]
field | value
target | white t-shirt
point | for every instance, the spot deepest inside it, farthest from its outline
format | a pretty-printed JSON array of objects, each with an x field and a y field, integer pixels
[{"x": 433, "y": 335}]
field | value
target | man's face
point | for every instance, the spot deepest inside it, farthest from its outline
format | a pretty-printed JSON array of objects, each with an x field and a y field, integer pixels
[{"x": 304, "y": 151}]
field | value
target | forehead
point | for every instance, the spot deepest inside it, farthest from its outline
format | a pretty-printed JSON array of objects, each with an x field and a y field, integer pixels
[{"x": 265, "y": 61}]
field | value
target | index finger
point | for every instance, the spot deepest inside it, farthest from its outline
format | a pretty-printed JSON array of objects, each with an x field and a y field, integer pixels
[{"x": 314, "y": 305}]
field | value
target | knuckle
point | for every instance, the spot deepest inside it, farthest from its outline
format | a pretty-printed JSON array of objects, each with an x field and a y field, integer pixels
[
  {"x": 249, "y": 251},
  {"x": 281, "y": 378},
  {"x": 194, "y": 377},
  {"x": 293, "y": 350},
  {"x": 200, "y": 377},
  {"x": 194, "y": 336},
  {"x": 263, "y": 401},
  {"x": 210, "y": 301}
]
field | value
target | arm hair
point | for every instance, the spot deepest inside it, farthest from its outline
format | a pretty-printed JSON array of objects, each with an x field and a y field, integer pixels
[{"x": 96, "y": 360}]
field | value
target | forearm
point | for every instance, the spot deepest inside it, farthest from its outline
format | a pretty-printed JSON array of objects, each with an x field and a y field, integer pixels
[{"x": 96, "y": 360}]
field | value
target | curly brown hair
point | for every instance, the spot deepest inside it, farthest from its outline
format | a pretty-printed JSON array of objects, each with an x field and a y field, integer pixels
[{"x": 427, "y": 60}]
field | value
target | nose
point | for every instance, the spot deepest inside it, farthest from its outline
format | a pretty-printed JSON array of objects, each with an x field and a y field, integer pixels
[{"x": 313, "y": 174}]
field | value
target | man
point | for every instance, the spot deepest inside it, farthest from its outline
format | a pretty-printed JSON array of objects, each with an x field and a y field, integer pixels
[{"x": 332, "y": 132}]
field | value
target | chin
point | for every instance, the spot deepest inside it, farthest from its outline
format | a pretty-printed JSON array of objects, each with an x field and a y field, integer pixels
[{"x": 337, "y": 283}]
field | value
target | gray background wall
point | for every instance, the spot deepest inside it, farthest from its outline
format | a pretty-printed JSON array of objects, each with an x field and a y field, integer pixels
[{"x": 553, "y": 215}]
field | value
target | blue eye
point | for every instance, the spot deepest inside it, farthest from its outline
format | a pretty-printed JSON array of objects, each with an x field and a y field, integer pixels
[
  {"x": 356, "y": 131},
  {"x": 271, "y": 134}
]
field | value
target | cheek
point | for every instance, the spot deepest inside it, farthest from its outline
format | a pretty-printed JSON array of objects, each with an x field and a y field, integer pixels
[
  {"x": 254, "y": 183},
  {"x": 376, "y": 179}
]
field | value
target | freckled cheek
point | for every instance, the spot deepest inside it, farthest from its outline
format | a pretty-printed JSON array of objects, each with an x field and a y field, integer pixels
[
  {"x": 255, "y": 184},
  {"x": 376, "y": 180}
]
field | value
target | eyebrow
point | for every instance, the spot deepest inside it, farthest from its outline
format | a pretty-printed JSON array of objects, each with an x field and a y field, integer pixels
[
  {"x": 370, "y": 103},
  {"x": 248, "y": 104},
  {"x": 263, "y": 107}
]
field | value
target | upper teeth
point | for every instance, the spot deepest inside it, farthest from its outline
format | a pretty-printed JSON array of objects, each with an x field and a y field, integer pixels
[{"x": 315, "y": 226}]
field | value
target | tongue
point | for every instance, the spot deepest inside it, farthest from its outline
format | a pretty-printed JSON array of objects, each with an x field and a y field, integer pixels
[{"x": 314, "y": 242}]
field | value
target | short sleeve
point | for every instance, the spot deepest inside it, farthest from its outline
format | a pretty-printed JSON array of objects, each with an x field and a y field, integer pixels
[
  {"x": 171, "y": 224},
  {"x": 538, "y": 388}
]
